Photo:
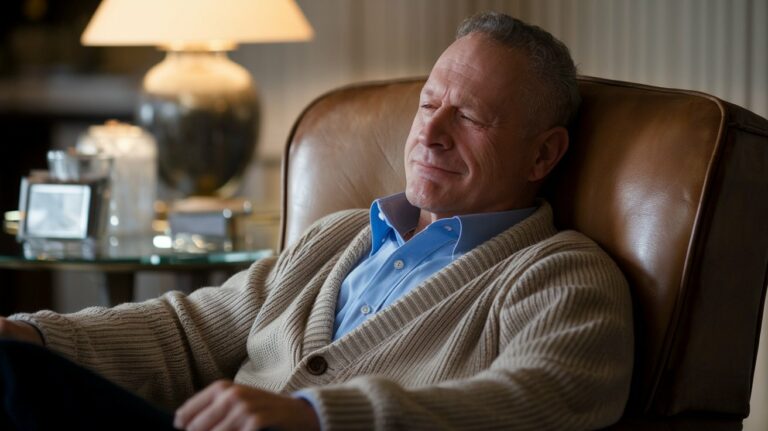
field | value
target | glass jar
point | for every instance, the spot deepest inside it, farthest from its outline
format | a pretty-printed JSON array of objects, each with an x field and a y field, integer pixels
[{"x": 134, "y": 174}]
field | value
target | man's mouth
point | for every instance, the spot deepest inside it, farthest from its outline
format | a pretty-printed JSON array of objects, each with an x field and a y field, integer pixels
[{"x": 434, "y": 167}]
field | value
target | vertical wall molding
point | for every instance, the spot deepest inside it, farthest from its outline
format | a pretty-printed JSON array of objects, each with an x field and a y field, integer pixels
[{"x": 715, "y": 46}]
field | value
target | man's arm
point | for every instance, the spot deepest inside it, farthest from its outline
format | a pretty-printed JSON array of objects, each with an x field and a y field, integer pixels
[
  {"x": 168, "y": 348},
  {"x": 163, "y": 349}
]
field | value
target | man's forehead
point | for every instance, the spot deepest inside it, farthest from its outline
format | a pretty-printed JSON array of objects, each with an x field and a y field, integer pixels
[
  {"x": 440, "y": 87},
  {"x": 452, "y": 70},
  {"x": 476, "y": 69}
]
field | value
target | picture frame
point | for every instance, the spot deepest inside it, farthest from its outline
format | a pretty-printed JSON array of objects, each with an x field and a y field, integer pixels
[{"x": 60, "y": 210}]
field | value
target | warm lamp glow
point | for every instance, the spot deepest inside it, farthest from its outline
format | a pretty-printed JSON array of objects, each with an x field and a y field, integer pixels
[
  {"x": 183, "y": 23},
  {"x": 201, "y": 107}
]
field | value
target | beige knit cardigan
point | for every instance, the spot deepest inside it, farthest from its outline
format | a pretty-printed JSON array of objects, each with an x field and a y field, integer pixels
[{"x": 530, "y": 330}]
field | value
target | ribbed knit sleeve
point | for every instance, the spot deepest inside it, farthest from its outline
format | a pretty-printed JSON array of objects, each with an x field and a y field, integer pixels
[
  {"x": 168, "y": 348},
  {"x": 564, "y": 358},
  {"x": 163, "y": 349}
]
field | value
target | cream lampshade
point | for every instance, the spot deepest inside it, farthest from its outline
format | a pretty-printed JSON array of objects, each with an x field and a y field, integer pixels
[{"x": 201, "y": 106}]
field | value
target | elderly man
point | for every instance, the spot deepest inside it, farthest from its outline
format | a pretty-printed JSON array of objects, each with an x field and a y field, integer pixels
[{"x": 454, "y": 305}]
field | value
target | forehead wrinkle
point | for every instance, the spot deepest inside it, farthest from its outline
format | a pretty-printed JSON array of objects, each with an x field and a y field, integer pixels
[{"x": 447, "y": 81}]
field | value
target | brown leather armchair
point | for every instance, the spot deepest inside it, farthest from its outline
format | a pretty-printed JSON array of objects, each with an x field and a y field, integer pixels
[{"x": 673, "y": 184}]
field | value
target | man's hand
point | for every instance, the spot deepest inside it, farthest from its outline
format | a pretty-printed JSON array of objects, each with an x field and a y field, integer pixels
[
  {"x": 20, "y": 331},
  {"x": 224, "y": 405}
]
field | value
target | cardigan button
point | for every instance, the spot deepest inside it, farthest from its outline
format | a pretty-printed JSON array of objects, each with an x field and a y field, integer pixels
[{"x": 317, "y": 365}]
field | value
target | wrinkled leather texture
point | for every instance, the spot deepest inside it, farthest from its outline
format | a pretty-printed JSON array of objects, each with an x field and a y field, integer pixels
[{"x": 673, "y": 184}]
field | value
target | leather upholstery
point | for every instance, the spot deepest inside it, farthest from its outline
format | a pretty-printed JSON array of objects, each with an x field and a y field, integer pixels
[{"x": 673, "y": 184}]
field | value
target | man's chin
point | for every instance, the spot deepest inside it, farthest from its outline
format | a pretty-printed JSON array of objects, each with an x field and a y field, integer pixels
[
  {"x": 425, "y": 200},
  {"x": 417, "y": 198}
]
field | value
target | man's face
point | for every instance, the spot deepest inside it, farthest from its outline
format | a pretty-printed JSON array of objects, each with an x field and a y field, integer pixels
[{"x": 468, "y": 149}]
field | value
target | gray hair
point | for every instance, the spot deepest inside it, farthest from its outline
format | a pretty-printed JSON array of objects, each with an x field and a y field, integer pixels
[{"x": 557, "y": 98}]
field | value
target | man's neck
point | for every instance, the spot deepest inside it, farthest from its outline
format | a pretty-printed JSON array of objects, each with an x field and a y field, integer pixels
[{"x": 425, "y": 219}]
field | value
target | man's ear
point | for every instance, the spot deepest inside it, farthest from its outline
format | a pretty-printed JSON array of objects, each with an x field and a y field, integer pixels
[{"x": 550, "y": 146}]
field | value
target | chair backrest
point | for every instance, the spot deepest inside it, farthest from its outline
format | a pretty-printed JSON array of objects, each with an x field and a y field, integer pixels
[{"x": 673, "y": 184}]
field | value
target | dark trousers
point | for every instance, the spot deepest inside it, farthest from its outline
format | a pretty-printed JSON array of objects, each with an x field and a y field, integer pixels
[{"x": 40, "y": 390}]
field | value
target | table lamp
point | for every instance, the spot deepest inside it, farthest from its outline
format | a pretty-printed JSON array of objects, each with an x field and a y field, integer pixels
[{"x": 201, "y": 107}]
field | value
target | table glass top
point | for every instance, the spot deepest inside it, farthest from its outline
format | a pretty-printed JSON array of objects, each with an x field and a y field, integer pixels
[
  {"x": 249, "y": 236},
  {"x": 143, "y": 250}
]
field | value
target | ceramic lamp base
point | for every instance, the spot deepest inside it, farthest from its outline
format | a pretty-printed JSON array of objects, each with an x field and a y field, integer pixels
[{"x": 203, "y": 110}]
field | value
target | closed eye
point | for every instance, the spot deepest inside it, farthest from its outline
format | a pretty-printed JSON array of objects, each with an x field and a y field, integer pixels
[{"x": 470, "y": 119}]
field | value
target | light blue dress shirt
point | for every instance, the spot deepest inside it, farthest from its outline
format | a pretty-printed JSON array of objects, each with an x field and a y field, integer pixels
[{"x": 394, "y": 266}]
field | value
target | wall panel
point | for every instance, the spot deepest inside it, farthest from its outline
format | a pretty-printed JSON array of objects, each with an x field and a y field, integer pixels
[{"x": 715, "y": 46}]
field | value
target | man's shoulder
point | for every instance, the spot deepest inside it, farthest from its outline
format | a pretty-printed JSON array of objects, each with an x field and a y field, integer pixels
[
  {"x": 536, "y": 243},
  {"x": 570, "y": 250},
  {"x": 573, "y": 239},
  {"x": 326, "y": 237},
  {"x": 354, "y": 217},
  {"x": 337, "y": 227},
  {"x": 569, "y": 241},
  {"x": 541, "y": 234}
]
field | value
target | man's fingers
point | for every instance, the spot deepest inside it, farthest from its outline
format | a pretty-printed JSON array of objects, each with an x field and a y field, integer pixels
[
  {"x": 187, "y": 413},
  {"x": 239, "y": 417},
  {"x": 226, "y": 406},
  {"x": 210, "y": 416},
  {"x": 216, "y": 415}
]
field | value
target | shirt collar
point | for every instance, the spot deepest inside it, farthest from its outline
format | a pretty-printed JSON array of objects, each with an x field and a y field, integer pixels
[
  {"x": 391, "y": 212},
  {"x": 394, "y": 212},
  {"x": 478, "y": 228}
]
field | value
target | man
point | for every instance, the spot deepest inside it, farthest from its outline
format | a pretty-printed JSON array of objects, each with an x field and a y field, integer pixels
[{"x": 455, "y": 305}]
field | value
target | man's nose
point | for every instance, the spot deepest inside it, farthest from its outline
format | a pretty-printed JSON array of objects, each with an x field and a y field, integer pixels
[{"x": 437, "y": 129}]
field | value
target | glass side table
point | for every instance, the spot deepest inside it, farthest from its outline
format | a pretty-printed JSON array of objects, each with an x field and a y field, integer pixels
[{"x": 122, "y": 259}]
